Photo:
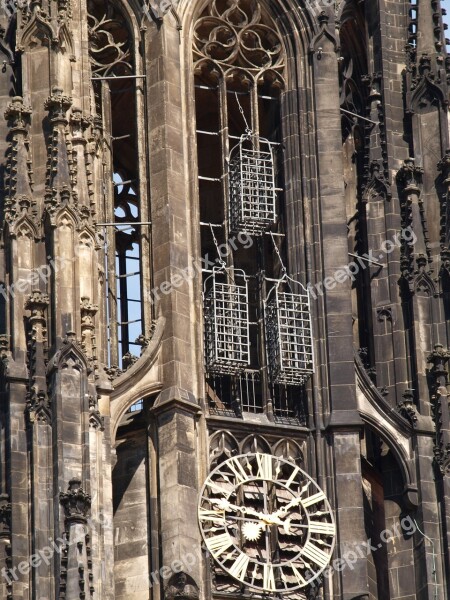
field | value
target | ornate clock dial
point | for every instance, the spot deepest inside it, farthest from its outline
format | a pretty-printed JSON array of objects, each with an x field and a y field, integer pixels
[{"x": 266, "y": 522}]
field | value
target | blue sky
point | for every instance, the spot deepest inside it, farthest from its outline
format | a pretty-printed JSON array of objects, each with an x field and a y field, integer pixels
[{"x": 446, "y": 4}]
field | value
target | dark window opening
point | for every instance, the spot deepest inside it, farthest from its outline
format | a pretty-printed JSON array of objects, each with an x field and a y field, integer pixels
[
  {"x": 115, "y": 88},
  {"x": 231, "y": 103}
]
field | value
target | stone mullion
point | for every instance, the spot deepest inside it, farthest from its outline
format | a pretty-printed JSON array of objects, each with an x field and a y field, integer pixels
[
  {"x": 345, "y": 422},
  {"x": 144, "y": 196},
  {"x": 108, "y": 195}
]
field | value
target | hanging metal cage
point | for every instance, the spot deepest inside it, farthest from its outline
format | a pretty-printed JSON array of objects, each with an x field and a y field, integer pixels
[
  {"x": 289, "y": 344},
  {"x": 227, "y": 336},
  {"x": 252, "y": 207}
]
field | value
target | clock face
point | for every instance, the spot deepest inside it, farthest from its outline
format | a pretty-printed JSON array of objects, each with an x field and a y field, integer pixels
[{"x": 266, "y": 522}]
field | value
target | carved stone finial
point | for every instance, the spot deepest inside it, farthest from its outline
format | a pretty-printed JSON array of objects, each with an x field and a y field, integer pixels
[
  {"x": 407, "y": 408},
  {"x": 4, "y": 347},
  {"x": 17, "y": 114},
  {"x": 37, "y": 302},
  {"x": 76, "y": 502},
  {"x": 58, "y": 104},
  {"x": 444, "y": 164},
  {"x": 409, "y": 175},
  {"x": 71, "y": 337},
  {"x": 128, "y": 360},
  {"x": 38, "y": 406}
]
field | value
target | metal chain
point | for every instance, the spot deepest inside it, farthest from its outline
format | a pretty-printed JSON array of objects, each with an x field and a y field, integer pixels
[
  {"x": 241, "y": 110},
  {"x": 277, "y": 252},
  {"x": 223, "y": 264}
]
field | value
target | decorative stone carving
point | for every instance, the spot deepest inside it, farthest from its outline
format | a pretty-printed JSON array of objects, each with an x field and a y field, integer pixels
[
  {"x": 95, "y": 418},
  {"x": 415, "y": 258},
  {"x": 38, "y": 402},
  {"x": 88, "y": 312},
  {"x": 426, "y": 83},
  {"x": 384, "y": 313},
  {"x": 5, "y": 517},
  {"x": 234, "y": 35},
  {"x": 19, "y": 174},
  {"x": 444, "y": 169},
  {"x": 60, "y": 163},
  {"x": 110, "y": 54},
  {"x": 440, "y": 406},
  {"x": 128, "y": 360},
  {"x": 76, "y": 502},
  {"x": 180, "y": 586},
  {"x": 326, "y": 31},
  {"x": 377, "y": 185},
  {"x": 407, "y": 408}
]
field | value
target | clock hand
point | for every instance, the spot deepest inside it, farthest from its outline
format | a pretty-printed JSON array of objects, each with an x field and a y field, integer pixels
[
  {"x": 295, "y": 502},
  {"x": 285, "y": 509},
  {"x": 223, "y": 504}
]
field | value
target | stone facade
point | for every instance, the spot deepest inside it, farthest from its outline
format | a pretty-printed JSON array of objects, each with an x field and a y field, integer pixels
[{"x": 119, "y": 120}]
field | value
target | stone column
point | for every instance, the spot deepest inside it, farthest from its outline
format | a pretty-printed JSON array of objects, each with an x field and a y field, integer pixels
[
  {"x": 336, "y": 355},
  {"x": 176, "y": 417}
]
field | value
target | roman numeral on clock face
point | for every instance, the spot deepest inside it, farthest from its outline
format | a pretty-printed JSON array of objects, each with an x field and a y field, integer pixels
[
  {"x": 215, "y": 487},
  {"x": 323, "y": 528},
  {"x": 238, "y": 471},
  {"x": 314, "y": 499},
  {"x": 210, "y": 515},
  {"x": 315, "y": 554},
  {"x": 298, "y": 575},
  {"x": 265, "y": 470},
  {"x": 294, "y": 474},
  {"x": 269, "y": 578},
  {"x": 239, "y": 569},
  {"x": 218, "y": 544}
]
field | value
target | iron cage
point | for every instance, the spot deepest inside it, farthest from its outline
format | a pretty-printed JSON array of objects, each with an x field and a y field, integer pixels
[
  {"x": 289, "y": 344},
  {"x": 252, "y": 197},
  {"x": 227, "y": 336}
]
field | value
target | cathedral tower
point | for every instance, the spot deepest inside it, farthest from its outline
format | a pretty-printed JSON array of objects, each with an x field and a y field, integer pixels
[{"x": 224, "y": 300}]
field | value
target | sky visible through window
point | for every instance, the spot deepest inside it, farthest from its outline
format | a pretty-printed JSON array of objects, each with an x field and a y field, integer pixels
[{"x": 446, "y": 5}]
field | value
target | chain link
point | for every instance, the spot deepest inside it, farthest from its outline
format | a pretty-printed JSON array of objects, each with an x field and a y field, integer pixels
[
  {"x": 248, "y": 130},
  {"x": 223, "y": 264},
  {"x": 277, "y": 252}
]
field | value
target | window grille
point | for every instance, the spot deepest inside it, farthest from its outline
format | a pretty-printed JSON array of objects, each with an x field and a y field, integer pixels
[
  {"x": 227, "y": 338},
  {"x": 252, "y": 186},
  {"x": 289, "y": 347}
]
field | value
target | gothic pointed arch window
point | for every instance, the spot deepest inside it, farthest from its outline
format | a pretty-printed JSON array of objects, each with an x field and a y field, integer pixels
[
  {"x": 240, "y": 80},
  {"x": 118, "y": 95}
]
